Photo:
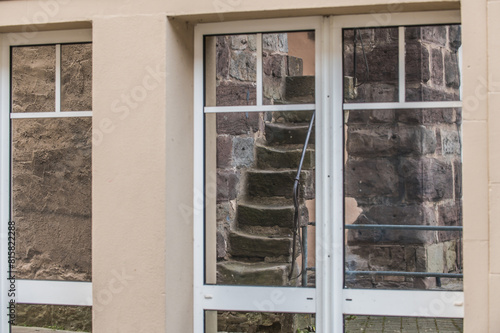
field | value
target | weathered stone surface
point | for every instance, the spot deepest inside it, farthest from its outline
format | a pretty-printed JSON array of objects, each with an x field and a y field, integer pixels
[
  {"x": 437, "y": 67},
  {"x": 289, "y": 133},
  {"x": 426, "y": 116},
  {"x": 381, "y": 49},
  {"x": 243, "y": 42},
  {"x": 288, "y": 158},
  {"x": 236, "y": 123},
  {"x": 76, "y": 77},
  {"x": 221, "y": 246},
  {"x": 256, "y": 322},
  {"x": 227, "y": 184},
  {"x": 265, "y": 215},
  {"x": 452, "y": 70},
  {"x": 457, "y": 173},
  {"x": 243, "y": 151},
  {"x": 369, "y": 178},
  {"x": 252, "y": 274},
  {"x": 450, "y": 256},
  {"x": 455, "y": 36},
  {"x": 434, "y": 34},
  {"x": 224, "y": 151},
  {"x": 426, "y": 179},
  {"x": 293, "y": 117},
  {"x": 418, "y": 65},
  {"x": 253, "y": 246},
  {"x": 372, "y": 140},
  {"x": 71, "y": 318},
  {"x": 33, "y": 78},
  {"x": 231, "y": 94},
  {"x": 295, "y": 66},
  {"x": 275, "y": 42},
  {"x": 51, "y": 188},
  {"x": 299, "y": 89},
  {"x": 396, "y": 215},
  {"x": 435, "y": 258},
  {"x": 451, "y": 141},
  {"x": 243, "y": 66},
  {"x": 417, "y": 140},
  {"x": 450, "y": 215},
  {"x": 264, "y": 183},
  {"x": 370, "y": 116},
  {"x": 274, "y": 65},
  {"x": 222, "y": 57}
]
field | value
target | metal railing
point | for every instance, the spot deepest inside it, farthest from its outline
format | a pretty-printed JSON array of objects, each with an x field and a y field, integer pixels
[{"x": 296, "y": 205}]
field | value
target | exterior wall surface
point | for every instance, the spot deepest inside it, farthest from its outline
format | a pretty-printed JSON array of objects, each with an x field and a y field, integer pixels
[{"x": 143, "y": 148}]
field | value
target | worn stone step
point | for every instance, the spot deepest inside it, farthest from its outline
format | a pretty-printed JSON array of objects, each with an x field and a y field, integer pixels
[
  {"x": 288, "y": 133},
  {"x": 300, "y": 89},
  {"x": 293, "y": 116},
  {"x": 265, "y": 215},
  {"x": 252, "y": 274},
  {"x": 282, "y": 157},
  {"x": 253, "y": 246},
  {"x": 269, "y": 183}
]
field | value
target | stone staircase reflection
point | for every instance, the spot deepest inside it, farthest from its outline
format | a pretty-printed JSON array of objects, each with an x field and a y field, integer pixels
[{"x": 260, "y": 247}]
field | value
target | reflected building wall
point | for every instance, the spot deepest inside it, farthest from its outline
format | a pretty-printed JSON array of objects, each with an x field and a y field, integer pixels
[{"x": 404, "y": 166}]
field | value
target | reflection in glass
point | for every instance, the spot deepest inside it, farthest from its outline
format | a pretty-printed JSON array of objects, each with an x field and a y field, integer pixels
[
  {"x": 403, "y": 167},
  {"x": 225, "y": 321},
  {"x": 76, "y": 77},
  {"x": 432, "y": 63},
  {"x": 51, "y": 197},
  {"x": 62, "y": 317},
  {"x": 231, "y": 70},
  {"x": 33, "y": 78},
  {"x": 370, "y": 61},
  {"x": 251, "y": 163},
  {"x": 288, "y": 62},
  {"x": 355, "y": 324}
]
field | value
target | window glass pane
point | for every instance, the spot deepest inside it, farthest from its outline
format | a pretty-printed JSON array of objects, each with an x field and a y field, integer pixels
[
  {"x": 288, "y": 63},
  {"x": 51, "y": 197},
  {"x": 231, "y": 70},
  {"x": 76, "y": 77},
  {"x": 433, "y": 63},
  {"x": 355, "y": 324},
  {"x": 59, "y": 317},
  {"x": 33, "y": 78},
  {"x": 403, "y": 167},
  {"x": 370, "y": 65},
  {"x": 225, "y": 321},
  {"x": 251, "y": 163}
]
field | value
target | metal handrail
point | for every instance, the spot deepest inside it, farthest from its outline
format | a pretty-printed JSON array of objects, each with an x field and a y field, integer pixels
[{"x": 296, "y": 203}]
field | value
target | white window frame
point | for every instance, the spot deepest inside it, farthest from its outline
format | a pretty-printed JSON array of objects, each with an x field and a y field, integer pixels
[
  {"x": 329, "y": 300},
  {"x": 32, "y": 291}
]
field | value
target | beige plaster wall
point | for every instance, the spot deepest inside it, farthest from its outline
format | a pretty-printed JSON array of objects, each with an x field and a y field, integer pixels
[
  {"x": 493, "y": 52},
  {"x": 142, "y": 232}
]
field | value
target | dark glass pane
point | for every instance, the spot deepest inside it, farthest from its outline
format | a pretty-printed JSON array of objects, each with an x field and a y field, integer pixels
[
  {"x": 432, "y": 63},
  {"x": 231, "y": 70},
  {"x": 251, "y": 163},
  {"x": 370, "y": 61},
  {"x": 33, "y": 78},
  {"x": 403, "y": 167},
  {"x": 76, "y": 77},
  {"x": 225, "y": 321},
  {"x": 362, "y": 324},
  {"x": 288, "y": 63},
  {"x": 59, "y": 317},
  {"x": 51, "y": 198}
]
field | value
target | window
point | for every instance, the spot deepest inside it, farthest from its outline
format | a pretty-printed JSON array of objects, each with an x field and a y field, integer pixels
[
  {"x": 46, "y": 168},
  {"x": 259, "y": 90}
]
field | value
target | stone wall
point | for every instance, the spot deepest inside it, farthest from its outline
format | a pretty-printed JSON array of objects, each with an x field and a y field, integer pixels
[{"x": 404, "y": 166}]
